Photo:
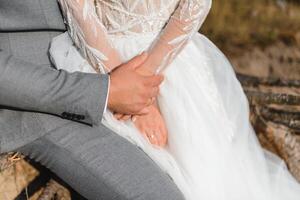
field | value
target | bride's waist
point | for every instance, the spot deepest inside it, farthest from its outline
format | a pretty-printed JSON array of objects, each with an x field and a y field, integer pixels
[
  {"x": 134, "y": 35},
  {"x": 136, "y": 18},
  {"x": 130, "y": 45}
]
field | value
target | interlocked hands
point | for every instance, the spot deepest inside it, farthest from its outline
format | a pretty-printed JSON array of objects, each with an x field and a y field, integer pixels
[{"x": 132, "y": 95}]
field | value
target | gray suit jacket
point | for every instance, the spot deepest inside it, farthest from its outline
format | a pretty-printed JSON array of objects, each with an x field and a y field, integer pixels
[{"x": 30, "y": 85}]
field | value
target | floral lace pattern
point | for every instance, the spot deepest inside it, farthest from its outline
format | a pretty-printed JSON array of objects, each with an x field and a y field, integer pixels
[{"x": 91, "y": 22}]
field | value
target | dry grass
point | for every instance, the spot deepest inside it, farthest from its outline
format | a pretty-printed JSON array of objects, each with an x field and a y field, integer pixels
[
  {"x": 248, "y": 23},
  {"x": 14, "y": 179}
]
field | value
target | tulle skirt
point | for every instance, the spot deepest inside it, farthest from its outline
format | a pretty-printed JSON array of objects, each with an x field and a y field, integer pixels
[{"x": 212, "y": 151}]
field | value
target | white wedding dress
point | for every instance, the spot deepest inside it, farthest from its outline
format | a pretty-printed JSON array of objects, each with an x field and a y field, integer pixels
[{"x": 212, "y": 152}]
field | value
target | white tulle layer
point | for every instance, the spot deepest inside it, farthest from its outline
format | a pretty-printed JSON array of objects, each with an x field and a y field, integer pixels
[{"x": 213, "y": 153}]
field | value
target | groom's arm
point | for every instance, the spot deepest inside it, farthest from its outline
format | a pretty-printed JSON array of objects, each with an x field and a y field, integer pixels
[{"x": 74, "y": 96}]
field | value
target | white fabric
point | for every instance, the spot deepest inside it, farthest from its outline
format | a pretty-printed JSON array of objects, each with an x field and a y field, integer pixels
[
  {"x": 68, "y": 58},
  {"x": 91, "y": 22},
  {"x": 212, "y": 152}
]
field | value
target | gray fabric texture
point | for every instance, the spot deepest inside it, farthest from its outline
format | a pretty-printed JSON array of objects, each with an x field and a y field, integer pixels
[
  {"x": 28, "y": 46},
  {"x": 99, "y": 164},
  {"x": 28, "y": 80},
  {"x": 35, "y": 97},
  {"x": 24, "y": 15}
]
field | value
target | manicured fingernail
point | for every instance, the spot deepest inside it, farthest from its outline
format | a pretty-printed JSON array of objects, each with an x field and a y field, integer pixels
[{"x": 134, "y": 119}]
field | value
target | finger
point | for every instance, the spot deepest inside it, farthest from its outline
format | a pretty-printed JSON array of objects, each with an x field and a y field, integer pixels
[
  {"x": 126, "y": 117},
  {"x": 165, "y": 135},
  {"x": 144, "y": 111},
  {"x": 154, "y": 80},
  {"x": 153, "y": 93},
  {"x": 145, "y": 135},
  {"x": 149, "y": 102},
  {"x": 134, "y": 118},
  {"x": 137, "y": 61},
  {"x": 152, "y": 139},
  {"x": 118, "y": 116},
  {"x": 159, "y": 137},
  {"x": 152, "y": 100}
]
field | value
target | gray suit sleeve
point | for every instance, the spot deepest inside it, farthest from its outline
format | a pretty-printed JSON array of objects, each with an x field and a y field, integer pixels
[{"x": 74, "y": 96}]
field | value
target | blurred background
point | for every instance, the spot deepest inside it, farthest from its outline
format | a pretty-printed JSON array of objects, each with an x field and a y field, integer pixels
[{"x": 261, "y": 38}]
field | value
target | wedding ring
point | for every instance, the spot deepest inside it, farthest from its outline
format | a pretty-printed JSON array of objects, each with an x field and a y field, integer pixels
[{"x": 151, "y": 136}]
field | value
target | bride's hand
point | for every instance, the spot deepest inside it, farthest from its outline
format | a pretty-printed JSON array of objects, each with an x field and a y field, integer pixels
[
  {"x": 122, "y": 117},
  {"x": 142, "y": 71},
  {"x": 152, "y": 126}
]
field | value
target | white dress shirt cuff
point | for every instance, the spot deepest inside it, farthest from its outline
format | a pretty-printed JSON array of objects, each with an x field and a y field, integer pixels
[{"x": 106, "y": 102}]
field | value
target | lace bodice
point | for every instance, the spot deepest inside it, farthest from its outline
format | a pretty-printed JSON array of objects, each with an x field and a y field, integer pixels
[
  {"x": 134, "y": 16},
  {"x": 92, "y": 22}
]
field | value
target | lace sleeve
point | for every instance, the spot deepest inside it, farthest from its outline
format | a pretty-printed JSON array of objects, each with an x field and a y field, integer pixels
[
  {"x": 89, "y": 34},
  {"x": 185, "y": 21}
]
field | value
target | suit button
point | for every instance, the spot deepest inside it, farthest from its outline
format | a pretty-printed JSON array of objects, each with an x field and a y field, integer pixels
[
  {"x": 73, "y": 116},
  {"x": 80, "y": 117},
  {"x": 64, "y": 115}
]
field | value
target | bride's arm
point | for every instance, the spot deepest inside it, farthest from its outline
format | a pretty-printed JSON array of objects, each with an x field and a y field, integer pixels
[
  {"x": 89, "y": 34},
  {"x": 185, "y": 21}
]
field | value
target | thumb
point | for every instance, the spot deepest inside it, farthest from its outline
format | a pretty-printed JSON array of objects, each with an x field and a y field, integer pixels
[
  {"x": 144, "y": 111},
  {"x": 137, "y": 61}
]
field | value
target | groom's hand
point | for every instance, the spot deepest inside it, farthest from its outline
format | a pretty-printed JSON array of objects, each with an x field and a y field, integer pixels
[{"x": 131, "y": 93}]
